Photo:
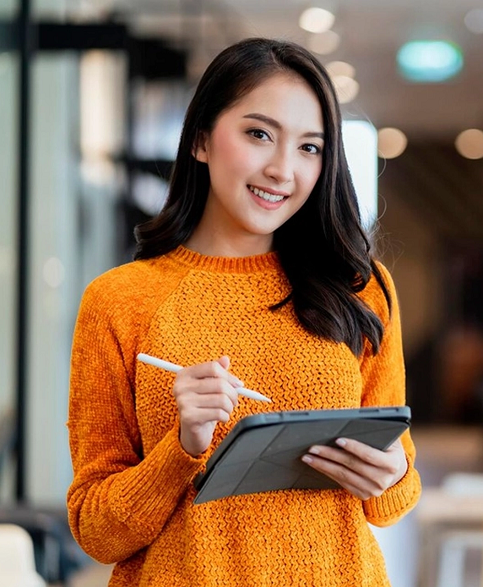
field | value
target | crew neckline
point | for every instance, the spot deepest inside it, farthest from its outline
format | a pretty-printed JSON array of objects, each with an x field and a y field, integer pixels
[{"x": 250, "y": 264}]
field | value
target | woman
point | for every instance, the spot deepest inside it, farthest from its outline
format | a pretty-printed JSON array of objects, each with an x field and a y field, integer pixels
[{"x": 256, "y": 272}]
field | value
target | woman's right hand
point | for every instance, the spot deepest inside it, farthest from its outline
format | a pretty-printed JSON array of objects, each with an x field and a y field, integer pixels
[{"x": 205, "y": 395}]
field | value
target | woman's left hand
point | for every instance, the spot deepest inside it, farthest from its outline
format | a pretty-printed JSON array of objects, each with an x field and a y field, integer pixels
[{"x": 364, "y": 471}]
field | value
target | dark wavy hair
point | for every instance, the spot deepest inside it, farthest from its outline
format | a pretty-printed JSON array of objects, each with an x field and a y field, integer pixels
[{"x": 323, "y": 248}]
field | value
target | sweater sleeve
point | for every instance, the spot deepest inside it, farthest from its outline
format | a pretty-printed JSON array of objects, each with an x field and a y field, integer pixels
[
  {"x": 383, "y": 377},
  {"x": 118, "y": 501}
]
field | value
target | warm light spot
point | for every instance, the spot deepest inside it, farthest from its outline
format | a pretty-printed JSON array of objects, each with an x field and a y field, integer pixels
[
  {"x": 97, "y": 171},
  {"x": 469, "y": 143},
  {"x": 323, "y": 43},
  {"x": 346, "y": 88},
  {"x": 391, "y": 142},
  {"x": 474, "y": 20},
  {"x": 336, "y": 68},
  {"x": 316, "y": 20}
]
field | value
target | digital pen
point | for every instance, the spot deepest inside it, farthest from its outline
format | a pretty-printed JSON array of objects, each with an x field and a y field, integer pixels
[{"x": 167, "y": 366}]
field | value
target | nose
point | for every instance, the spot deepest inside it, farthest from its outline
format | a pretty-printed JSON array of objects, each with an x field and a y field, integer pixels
[{"x": 280, "y": 167}]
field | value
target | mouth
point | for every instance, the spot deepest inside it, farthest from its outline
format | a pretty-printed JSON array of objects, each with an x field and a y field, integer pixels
[{"x": 267, "y": 196}]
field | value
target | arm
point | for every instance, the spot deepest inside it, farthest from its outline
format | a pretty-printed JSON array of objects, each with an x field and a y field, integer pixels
[
  {"x": 384, "y": 385},
  {"x": 118, "y": 502},
  {"x": 387, "y": 482}
]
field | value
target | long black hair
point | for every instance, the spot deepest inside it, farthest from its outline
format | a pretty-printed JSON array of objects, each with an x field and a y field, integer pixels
[{"x": 323, "y": 248}]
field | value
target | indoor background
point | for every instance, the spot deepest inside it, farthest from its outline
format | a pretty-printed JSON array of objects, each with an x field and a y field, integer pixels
[{"x": 92, "y": 97}]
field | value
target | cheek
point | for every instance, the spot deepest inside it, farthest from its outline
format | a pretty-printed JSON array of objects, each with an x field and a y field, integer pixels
[
  {"x": 221, "y": 144},
  {"x": 230, "y": 155},
  {"x": 233, "y": 153},
  {"x": 311, "y": 175}
]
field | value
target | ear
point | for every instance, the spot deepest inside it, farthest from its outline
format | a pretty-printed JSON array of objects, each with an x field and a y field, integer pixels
[{"x": 199, "y": 150}]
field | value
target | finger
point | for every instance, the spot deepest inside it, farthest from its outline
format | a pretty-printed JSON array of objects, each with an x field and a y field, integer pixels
[
  {"x": 224, "y": 362},
  {"x": 344, "y": 457},
  {"x": 386, "y": 463},
  {"x": 211, "y": 369},
  {"x": 200, "y": 416},
  {"x": 207, "y": 401},
  {"x": 364, "y": 452},
  {"x": 206, "y": 385},
  {"x": 381, "y": 474},
  {"x": 192, "y": 392},
  {"x": 362, "y": 487}
]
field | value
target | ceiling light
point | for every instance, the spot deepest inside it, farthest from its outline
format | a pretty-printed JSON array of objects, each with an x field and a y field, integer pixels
[
  {"x": 474, "y": 20},
  {"x": 336, "y": 68},
  {"x": 469, "y": 143},
  {"x": 429, "y": 61},
  {"x": 391, "y": 142},
  {"x": 323, "y": 43},
  {"x": 346, "y": 88},
  {"x": 316, "y": 20}
]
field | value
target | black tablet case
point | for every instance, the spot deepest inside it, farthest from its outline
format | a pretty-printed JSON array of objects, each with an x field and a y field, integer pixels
[{"x": 263, "y": 452}]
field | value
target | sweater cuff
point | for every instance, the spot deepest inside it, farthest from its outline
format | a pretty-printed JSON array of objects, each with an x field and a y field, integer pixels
[
  {"x": 142, "y": 500},
  {"x": 396, "y": 501}
]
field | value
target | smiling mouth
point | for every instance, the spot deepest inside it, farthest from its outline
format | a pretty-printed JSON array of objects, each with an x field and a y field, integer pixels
[{"x": 265, "y": 195}]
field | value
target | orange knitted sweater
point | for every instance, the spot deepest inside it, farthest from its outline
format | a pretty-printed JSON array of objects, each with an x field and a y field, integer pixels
[{"x": 131, "y": 499}]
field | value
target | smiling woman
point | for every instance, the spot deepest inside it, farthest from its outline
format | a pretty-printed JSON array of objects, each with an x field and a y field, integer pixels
[
  {"x": 262, "y": 167},
  {"x": 258, "y": 262}
]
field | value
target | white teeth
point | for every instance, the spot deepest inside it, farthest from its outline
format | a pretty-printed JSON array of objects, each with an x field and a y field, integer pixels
[{"x": 265, "y": 195}]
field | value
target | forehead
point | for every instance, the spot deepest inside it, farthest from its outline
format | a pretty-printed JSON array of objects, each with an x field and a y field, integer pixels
[{"x": 283, "y": 96}]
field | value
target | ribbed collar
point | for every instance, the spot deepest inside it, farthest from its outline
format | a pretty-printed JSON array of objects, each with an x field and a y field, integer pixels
[{"x": 252, "y": 264}]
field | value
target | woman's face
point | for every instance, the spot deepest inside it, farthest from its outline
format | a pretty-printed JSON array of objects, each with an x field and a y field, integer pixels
[{"x": 264, "y": 157}]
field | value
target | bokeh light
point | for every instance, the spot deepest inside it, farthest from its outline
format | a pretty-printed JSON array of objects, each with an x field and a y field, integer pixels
[
  {"x": 391, "y": 143},
  {"x": 430, "y": 61},
  {"x": 469, "y": 143},
  {"x": 316, "y": 20}
]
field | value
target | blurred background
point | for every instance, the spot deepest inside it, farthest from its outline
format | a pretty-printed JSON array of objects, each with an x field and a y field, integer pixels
[{"x": 92, "y": 98}]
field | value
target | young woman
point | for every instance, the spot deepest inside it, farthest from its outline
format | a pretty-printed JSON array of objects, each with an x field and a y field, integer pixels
[{"x": 256, "y": 272}]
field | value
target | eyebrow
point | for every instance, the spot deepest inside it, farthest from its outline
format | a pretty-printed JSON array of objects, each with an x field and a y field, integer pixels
[{"x": 272, "y": 122}]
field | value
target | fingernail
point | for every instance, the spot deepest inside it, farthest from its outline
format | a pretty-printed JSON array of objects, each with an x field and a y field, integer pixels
[
  {"x": 239, "y": 383},
  {"x": 341, "y": 441},
  {"x": 314, "y": 450},
  {"x": 307, "y": 459}
]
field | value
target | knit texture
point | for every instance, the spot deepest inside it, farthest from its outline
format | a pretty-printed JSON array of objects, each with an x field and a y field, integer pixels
[{"x": 131, "y": 499}]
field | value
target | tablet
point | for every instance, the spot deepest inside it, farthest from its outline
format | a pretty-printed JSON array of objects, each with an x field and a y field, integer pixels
[{"x": 263, "y": 452}]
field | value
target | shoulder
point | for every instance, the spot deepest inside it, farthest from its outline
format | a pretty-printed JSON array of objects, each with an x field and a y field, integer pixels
[
  {"x": 131, "y": 286},
  {"x": 373, "y": 294},
  {"x": 124, "y": 276}
]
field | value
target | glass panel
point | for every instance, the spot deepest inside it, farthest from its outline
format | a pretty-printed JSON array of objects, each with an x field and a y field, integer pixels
[
  {"x": 9, "y": 68},
  {"x": 53, "y": 271},
  {"x": 8, "y": 8},
  {"x": 72, "y": 212}
]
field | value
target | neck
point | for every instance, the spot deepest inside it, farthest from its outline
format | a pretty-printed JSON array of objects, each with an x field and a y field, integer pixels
[{"x": 215, "y": 243}]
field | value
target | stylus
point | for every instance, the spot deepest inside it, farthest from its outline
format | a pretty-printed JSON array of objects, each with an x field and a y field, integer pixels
[{"x": 175, "y": 368}]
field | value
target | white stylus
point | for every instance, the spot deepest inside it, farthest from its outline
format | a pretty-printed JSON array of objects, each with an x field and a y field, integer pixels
[{"x": 175, "y": 368}]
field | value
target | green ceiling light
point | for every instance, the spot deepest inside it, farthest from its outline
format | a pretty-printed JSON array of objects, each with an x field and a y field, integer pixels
[{"x": 430, "y": 61}]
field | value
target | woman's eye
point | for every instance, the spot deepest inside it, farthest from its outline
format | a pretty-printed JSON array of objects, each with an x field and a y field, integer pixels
[
  {"x": 312, "y": 149},
  {"x": 257, "y": 133}
]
